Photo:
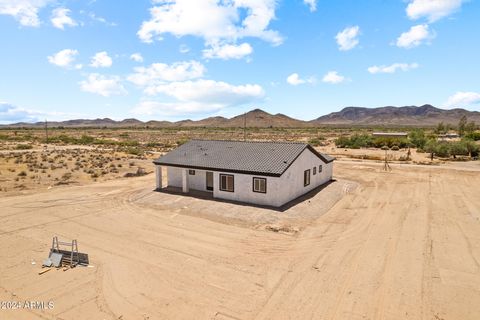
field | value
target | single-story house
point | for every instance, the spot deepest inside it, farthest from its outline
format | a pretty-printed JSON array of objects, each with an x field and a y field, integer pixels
[{"x": 261, "y": 173}]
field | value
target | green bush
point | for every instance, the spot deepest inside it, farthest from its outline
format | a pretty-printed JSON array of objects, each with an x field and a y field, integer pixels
[
  {"x": 473, "y": 136},
  {"x": 417, "y": 138},
  {"x": 181, "y": 141},
  {"x": 23, "y": 146},
  {"x": 134, "y": 151},
  {"x": 316, "y": 141},
  {"x": 456, "y": 148}
]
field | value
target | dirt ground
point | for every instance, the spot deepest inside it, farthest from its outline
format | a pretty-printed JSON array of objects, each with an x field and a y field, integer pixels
[{"x": 402, "y": 245}]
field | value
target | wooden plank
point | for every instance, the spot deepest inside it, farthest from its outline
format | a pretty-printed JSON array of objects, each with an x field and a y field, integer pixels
[{"x": 44, "y": 271}]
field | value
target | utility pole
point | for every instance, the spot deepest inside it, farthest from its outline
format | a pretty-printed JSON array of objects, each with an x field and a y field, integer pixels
[
  {"x": 386, "y": 166},
  {"x": 245, "y": 126},
  {"x": 46, "y": 132}
]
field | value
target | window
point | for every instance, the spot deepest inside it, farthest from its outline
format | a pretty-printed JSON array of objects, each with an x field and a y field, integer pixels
[
  {"x": 314, "y": 170},
  {"x": 306, "y": 178},
  {"x": 319, "y": 168},
  {"x": 191, "y": 172},
  {"x": 259, "y": 185},
  {"x": 226, "y": 182}
]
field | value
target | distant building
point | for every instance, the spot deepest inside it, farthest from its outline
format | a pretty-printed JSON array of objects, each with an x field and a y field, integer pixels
[
  {"x": 448, "y": 136},
  {"x": 262, "y": 173},
  {"x": 390, "y": 134}
]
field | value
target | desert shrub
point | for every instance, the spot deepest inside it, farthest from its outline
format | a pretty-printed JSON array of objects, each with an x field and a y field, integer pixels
[
  {"x": 23, "y": 146},
  {"x": 317, "y": 141},
  {"x": 395, "y": 148},
  {"x": 128, "y": 143},
  {"x": 22, "y": 174},
  {"x": 134, "y": 151},
  {"x": 356, "y": 141},
  {"x": 66, "y": 176},
  {"x": 342, "y": 142},
  {"x": 181, "y": 141},
  {"x": 445, "y": 149},
  {"x": 475, "y": 136},
  {"x": 379, "y": 142},
  {"x": 458, "y": 148},
  {"x": 153, "y": 144},
  {"x": 417, "y": 138},
  {"x": 473, "y": 149}
]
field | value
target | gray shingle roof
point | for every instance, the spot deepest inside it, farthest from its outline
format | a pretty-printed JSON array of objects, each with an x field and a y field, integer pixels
[{"x": 264, "y": 158}]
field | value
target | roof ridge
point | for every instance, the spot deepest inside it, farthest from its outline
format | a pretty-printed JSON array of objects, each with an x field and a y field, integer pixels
[{"x": 250, "y": 141}]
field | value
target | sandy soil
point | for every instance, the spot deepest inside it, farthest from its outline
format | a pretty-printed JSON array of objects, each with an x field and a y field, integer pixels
[{"x": 402, "y": 245}]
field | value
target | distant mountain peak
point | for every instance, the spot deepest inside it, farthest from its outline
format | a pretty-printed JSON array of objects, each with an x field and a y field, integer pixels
[
  {"x": 390, "y": 115},
  {"x": 425, "y": 115}
]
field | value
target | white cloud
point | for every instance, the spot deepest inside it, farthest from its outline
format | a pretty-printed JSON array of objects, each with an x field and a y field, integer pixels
[
  {"x": 415, "y": 36},
  {"x": 101, "y": 60},
  {"x": 103, "y": 85},
  {"x": 312, "y": 4},
  {"x": 223, "y": 22},
  {"x": 94, "y": 17},
  {"x": 209, "y": 91},
  {"x": 433, "y": 10},
  {"x": 151, "y": 108},
  {"x": 199, "y": 96},
  {"x": 184, "y": 48},
  {"x": 295, "y": 80},
  {"x": 60, "y": 18},
  {"x": 463, "y": 99},
  {"x": 24, "y": 11},
  {"x": 228, "y": 51},
  {"x": 392, "y": 68},
  {"x": 347, "y": 39},
  {"x": 333, "y": 77},
  {"x": 64, "y": 58},
  {"x": 137, "y": 57},
  {"x": 10, "y": 113},
  {"x": 158, "y": 73}
]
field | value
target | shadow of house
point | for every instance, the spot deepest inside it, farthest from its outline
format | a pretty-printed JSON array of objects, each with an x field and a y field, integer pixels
[{"x": 204, "y": 195}]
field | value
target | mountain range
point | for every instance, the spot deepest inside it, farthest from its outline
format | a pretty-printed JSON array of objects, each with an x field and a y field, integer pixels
[{"x": 426, "y": 115}]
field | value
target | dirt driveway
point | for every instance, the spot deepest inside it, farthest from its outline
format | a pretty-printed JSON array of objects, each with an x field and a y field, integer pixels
[{"x": 403, "y": 245}]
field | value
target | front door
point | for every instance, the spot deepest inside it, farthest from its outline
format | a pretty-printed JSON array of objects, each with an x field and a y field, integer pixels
[{"x": 209, "y": 180}]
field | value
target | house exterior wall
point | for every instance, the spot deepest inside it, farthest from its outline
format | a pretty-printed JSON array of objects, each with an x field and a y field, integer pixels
[
  {"x": 280, "y": 190},
  {"x": 292, "y": 180},
  {"x": 195, "y": 182},
  {"x": 243, "y": 189}
]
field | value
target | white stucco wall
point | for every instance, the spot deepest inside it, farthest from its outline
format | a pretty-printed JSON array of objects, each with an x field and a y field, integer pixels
[
  {"x": 280, "y": 190},
  {"x": 292, "y": 179},
  {"x": 174, "y": 177},
  {"x": 195, "y": 182},
  {"x": 243, "y": 189}
]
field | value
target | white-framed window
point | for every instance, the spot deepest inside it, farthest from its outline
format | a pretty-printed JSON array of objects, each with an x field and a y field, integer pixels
[
  {"x": 227, "y": 182},
  {"x": 320, "y": 168},
  {"x": 191, "y": 172},
  {"x": 314, "y": 170},
  {"x": 306, "y": 177},
  {"x": 259, "y": 185}
]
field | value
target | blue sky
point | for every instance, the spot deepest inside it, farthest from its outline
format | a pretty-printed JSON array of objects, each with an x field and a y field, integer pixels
[{"x": 171, "y": 60}]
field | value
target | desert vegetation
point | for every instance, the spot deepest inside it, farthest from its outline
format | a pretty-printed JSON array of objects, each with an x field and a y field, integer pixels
[
  {"x": 31, "y": 158},
  {"x": 435, "y": 141}
]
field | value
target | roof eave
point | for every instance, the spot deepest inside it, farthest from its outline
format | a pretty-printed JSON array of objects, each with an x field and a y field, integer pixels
[{"x": 266, "y": 174}]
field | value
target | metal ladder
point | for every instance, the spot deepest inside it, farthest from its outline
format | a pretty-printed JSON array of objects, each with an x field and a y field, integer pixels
[{"x": 73, "y": 258}]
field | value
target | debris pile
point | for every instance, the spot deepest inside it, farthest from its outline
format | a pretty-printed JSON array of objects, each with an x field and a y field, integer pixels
[{"x": 64, "y": 255}]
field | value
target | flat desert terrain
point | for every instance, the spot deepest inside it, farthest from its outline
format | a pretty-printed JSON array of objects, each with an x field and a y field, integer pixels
[{"x": 397, "y": 245}]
